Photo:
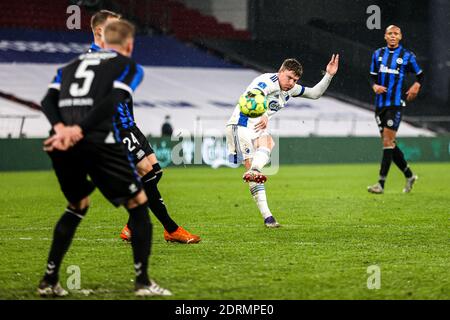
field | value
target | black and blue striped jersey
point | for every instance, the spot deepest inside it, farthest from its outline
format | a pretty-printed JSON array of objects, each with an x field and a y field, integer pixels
[
  {"x": 132, "y": 76},
  {"x": 390, "y": 66},
  {"x": 124, "y": 119},
  {"x": 84, "y": 82}
]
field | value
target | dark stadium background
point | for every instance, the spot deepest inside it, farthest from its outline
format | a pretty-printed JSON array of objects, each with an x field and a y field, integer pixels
[{"x": 276, "y": 29}]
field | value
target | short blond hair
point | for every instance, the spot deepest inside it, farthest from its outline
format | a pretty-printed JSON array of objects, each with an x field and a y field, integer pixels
[
  {"x": 118, "y": 32},
  {"x": 100, "y": 18}
]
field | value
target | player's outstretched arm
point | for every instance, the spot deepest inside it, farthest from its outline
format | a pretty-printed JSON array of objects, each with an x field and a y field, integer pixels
[{"x": 319, "y": 89}]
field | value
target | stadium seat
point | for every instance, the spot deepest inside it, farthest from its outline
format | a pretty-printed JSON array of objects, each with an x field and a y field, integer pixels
[
  {"x": 38, "y": 15},
  {"x": 184, "y": 23}
]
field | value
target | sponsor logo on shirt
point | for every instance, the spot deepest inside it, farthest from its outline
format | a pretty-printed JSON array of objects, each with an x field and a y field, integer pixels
[
  {"x": 385, "y": 69},
  {"x": 262, "y": 85}
]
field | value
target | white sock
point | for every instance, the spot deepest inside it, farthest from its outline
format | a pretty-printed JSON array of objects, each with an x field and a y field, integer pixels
[
  {"x": 259, "y": 195},
  {"x": 260, "y": 158}
]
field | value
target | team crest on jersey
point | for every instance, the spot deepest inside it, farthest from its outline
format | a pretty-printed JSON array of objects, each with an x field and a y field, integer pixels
[
  {"x": 399, "y": 61},
  {"x": 390, "y": 123},
  {"x": 274, "y": 106},
  {"x": 380, "y": 59}
]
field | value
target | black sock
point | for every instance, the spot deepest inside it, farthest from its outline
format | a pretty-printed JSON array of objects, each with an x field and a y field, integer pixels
[
  {"x": 155, "y": 201},
  {"x": 62, "y": 237},
  {"x": 141, "y": 229},
  {"x": 399, "y": 160},
  {"x": 385, "y": 165}
]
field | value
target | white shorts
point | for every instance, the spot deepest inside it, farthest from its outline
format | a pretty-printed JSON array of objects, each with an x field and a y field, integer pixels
[{"x": 240, "y": 142}]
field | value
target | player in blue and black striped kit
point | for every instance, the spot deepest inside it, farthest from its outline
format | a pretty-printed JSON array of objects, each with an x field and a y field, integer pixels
[
  {"x": 86, "y": 151},
  {"x": 141, "y": 152},
  {"x": 388, "y": 69}
]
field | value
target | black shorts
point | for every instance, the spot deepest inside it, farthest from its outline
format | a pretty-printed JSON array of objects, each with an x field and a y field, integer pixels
[
  {"x": 108, "y": 166},
  {"x": 136, "y": 143},
  {"x": 388, "y": 117}
]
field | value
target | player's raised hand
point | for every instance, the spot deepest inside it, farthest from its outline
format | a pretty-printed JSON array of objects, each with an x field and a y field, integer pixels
[{"x": 333, "y": 65}]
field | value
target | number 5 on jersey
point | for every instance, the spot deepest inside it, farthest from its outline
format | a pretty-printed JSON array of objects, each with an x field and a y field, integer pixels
[{"x": 83, "y": 73}]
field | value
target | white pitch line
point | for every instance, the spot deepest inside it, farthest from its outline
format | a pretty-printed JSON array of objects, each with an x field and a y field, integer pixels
[
  {"x": 118, "y": 227},
  {"x": 158, "y": 242},
  {"x": 50, "y": 239},
  {"x": 52, "y": 227}
]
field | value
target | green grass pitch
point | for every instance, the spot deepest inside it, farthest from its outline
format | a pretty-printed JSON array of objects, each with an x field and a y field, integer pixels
[{"x": 333, "y": 230}]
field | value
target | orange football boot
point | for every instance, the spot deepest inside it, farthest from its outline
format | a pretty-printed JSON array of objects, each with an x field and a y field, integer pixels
[
  {"x": 125, "y": 235},
  {"x": 182, "y": 236}
]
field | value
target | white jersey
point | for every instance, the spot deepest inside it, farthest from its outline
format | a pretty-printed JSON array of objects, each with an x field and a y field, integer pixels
[{"x": 276, "y": 98}]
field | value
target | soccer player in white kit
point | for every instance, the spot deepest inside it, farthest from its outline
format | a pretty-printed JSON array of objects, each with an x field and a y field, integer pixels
[{"x": 249, "y": 140}]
